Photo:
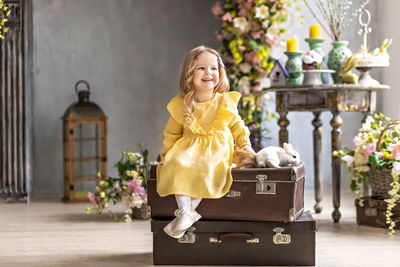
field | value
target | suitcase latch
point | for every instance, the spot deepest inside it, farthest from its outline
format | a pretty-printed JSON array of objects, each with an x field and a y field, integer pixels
[
  {"x": 233, "y": 193},
  {"x": 189, "y": 237},
  {"x": 264, "y": 187},
  {"x": 279, "y": 238},
  {"x": 370, "y": 212}
]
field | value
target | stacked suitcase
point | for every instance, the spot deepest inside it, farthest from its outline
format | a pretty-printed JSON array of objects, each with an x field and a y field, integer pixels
[
  {"x": 260, "y": 221},
  {"x": 371, "y": 211}
]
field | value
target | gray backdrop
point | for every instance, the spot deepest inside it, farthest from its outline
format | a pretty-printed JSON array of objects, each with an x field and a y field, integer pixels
[{"x": 131, "y": 51}]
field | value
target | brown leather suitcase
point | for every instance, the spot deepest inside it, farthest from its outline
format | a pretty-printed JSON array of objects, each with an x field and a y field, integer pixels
[
  {"x": 372, "y": 212},
  {"x": 238, "y": 243},
  {"x": 258, "y": 194}
]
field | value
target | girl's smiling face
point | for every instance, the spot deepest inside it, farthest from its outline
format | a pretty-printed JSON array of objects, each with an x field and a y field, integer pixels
[{"x": 206, "y": 73}]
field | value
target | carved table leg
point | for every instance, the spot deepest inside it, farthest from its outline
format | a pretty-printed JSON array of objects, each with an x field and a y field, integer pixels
[
  {"x": 317, "y": 133},
  {"x": 336, "y": 136},
  {"x": 283, "y": 122}
]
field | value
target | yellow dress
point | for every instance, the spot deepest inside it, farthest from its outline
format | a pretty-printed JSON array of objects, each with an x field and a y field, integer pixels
[{"x": 197, "y": 153}]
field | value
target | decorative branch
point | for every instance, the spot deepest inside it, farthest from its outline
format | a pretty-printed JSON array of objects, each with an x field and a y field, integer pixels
[{"x": 334, "y": 13}]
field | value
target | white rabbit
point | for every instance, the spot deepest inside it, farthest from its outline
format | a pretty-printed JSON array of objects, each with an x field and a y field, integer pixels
[{"x": 274, "y": 156}]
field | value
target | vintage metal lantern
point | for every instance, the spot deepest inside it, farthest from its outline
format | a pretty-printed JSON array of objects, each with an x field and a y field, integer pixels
[{"x": 84, "y": 146}]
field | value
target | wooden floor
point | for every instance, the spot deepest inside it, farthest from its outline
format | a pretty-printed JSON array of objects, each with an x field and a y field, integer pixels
[{"x": 51, "y": 233}]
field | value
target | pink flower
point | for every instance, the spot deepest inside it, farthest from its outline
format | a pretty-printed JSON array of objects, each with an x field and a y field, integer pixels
[
  {"x": 251, "y": 57},
  {"x": 256, "y": 89},
  {"x": 243, "y": 12},
  {"x": 219, "y": 36},
  {"x": 91, "y": 199},
  {"x": 242, "y": 48},
  {"x": 135, "y": 186},
  {"x": 229, "y": 60},
  {"x": 217, "y": 9},
  {"x": 262, "y": 72},
  {"x": 256, "y": 27},
  {"x": 117, "y": 187},
  {"x": 272, "y": 39},
  {"x": 256, "y": 35},
  {"x": 395, "y": 149},
  {"x": 227, "y": 17},
  {"x": 369, "y": 148}
]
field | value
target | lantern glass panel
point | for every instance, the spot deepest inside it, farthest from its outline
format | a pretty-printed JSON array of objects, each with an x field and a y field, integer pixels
[{"x": 88, "y": 157}]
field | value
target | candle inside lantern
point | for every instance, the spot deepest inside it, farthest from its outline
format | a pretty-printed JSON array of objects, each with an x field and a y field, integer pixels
[
  {"x": 315, "y": 31},
  {"x": 292, "y": 44}
]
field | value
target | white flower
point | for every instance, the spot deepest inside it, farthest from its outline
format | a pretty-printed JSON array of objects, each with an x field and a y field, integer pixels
[
  {"x": 273, "y": 31},
  {"x": 307, "y": 59},
  {"x": 396, "y": 168},
  {"x": 366, "y": 126},
  {"x": 244, "y": 85},
  {"x": 348, "y": 159},
  {"x": 311, "y": 57},
  {"x": 245, "y": 67},
  {"x": 241, "y": 23},
  {"x": 137, "y": 201},
  {"x": 265, "y": 24},
  {"x": 262, "y": 12}
]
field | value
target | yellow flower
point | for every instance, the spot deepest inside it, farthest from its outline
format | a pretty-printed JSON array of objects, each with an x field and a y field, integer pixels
[
  {"x": 387, "y": 155},
  {"x": 133, "y": 174}
]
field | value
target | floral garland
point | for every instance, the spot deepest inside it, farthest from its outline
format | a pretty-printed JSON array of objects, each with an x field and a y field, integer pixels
[
  {"x": 250, "y": 28},
  {"x": 394, "y": 197},
  {"x": 364, "y": 155}
]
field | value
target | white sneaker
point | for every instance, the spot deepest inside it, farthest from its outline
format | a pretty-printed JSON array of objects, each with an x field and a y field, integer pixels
[{"x": 184, "y": 219}]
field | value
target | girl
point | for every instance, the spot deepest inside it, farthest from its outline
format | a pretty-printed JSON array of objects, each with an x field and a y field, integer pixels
[{"x": 199, "y": 138}]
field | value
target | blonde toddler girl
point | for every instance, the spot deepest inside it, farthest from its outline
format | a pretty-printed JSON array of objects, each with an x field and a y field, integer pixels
[{"x": 200, "y": 135}]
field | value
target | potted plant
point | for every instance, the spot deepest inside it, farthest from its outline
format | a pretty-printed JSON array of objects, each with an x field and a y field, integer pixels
[
  {"x": 375, "y": 160},
  {"x": 130, "y": 186}
]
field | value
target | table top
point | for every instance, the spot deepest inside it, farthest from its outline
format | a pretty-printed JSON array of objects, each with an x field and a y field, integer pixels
[{"x": 321, "y": 87}]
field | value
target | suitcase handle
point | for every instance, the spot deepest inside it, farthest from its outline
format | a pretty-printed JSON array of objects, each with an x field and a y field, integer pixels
[{"x": 221, "y": 237}]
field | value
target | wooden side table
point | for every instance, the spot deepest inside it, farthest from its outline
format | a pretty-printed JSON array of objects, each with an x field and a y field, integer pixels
[{"x": 317, "y": 98}]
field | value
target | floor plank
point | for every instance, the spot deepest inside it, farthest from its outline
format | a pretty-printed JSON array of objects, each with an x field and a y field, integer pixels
[{"x": 47, "y": 232}]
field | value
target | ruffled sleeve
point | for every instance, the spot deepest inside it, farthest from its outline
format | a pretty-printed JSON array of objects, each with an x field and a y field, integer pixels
[
  {"x": 174, "y": 129},
  {"x": 175, "y": 108},
  {"x": 239, "y": 130},
  {"x": 172, "y": 133}
]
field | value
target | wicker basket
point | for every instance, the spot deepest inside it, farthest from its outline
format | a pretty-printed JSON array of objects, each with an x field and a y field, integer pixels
[
  {"x": 142, "y": 213},
  {"x": 380, "y": 180}
]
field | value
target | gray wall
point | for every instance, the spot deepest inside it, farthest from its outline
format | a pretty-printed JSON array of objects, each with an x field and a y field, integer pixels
[{"x": 130, "y": 51}]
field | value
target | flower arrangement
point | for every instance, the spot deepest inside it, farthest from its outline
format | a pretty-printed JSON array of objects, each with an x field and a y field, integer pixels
[
  {"x": 312, "y": 60},
  {"x": 4, "y": 13},
  {"x": 334, "y": 12},
  {"x": 130, "y": 186},
  {"x": 365, "y": 155},
  {"x": 250, "y": 28}
]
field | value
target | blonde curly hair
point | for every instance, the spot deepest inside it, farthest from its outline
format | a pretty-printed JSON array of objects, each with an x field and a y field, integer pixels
[{"x": 186, "y": 88}]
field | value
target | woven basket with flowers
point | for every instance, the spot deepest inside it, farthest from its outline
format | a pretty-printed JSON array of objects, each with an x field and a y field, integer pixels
[{"x": 375, "y": 161}]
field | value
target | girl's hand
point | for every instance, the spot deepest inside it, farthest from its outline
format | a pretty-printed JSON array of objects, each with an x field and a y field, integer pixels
[{"x": 249, "y": 148}]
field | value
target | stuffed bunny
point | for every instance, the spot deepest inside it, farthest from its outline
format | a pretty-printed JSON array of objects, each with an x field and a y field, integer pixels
[{"x": 274, "y": 157}]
